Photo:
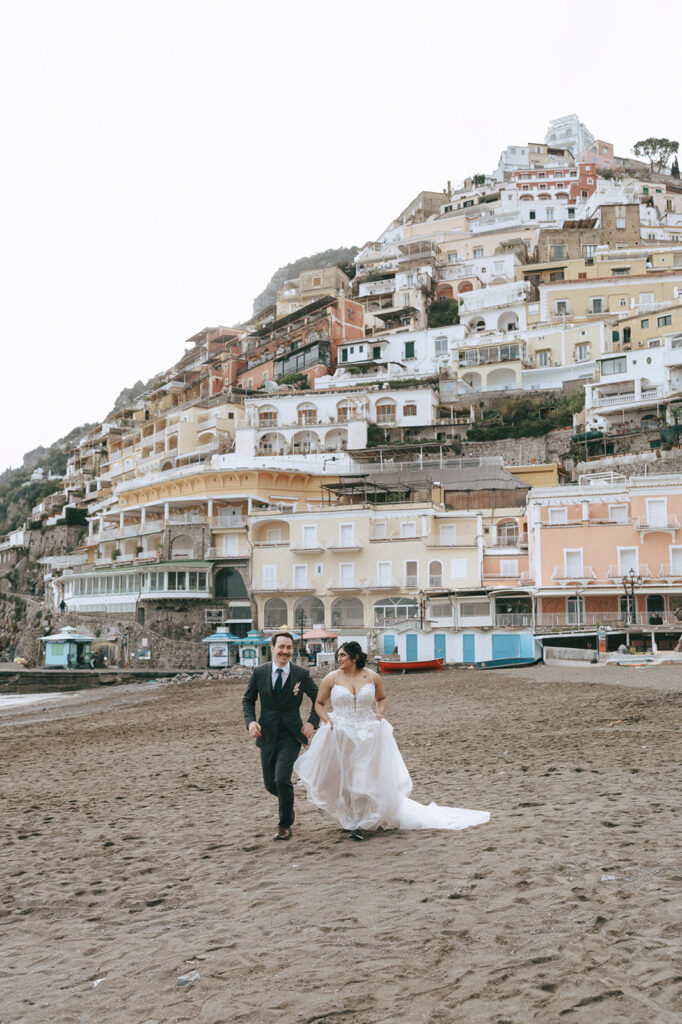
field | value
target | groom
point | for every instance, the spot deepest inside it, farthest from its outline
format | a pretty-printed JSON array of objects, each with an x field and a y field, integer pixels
[{"x": 279, "y": 732}]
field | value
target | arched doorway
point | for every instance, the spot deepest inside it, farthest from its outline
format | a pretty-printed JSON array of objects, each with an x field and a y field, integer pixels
[
  {"x": 655, "y": 609},
  {"x": 275, "y": 613},
  {"x": 347, "y": 611},
  {"x": 229, "y": 584},
  {"x": 308, "y": 612}
]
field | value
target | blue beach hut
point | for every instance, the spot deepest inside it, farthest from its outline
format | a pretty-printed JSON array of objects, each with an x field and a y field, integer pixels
[{"x": 67, "y": 649}]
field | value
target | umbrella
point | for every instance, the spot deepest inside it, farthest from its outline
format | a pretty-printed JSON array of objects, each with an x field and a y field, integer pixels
[{"x": 320, "y": 634}]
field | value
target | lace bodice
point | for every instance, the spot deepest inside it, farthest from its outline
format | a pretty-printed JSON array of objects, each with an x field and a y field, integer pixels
[{"x": 356, "y": 710}]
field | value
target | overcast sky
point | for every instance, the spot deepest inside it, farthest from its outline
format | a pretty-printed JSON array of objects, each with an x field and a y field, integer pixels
[{"x": 162, "y": 158}]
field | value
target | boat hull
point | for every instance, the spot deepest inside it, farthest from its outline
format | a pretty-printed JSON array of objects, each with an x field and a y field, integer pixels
[
  {"x": 435, "y": 665},
  {"x": 506, "y": 662}
]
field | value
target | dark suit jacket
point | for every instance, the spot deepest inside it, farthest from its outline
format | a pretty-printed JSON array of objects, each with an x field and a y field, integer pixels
[{"x": 283, "y": 712}]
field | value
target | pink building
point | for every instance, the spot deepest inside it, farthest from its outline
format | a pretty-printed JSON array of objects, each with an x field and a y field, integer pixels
[{"x": 586, "y": 540}]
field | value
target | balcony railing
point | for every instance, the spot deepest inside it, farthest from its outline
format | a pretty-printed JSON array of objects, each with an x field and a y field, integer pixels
[
  {"x": 412, "y": 581},
  {"x": 336, "y": 583},
  {"x": 382, "y": 583},
  {"x": 670, "y": 572},
  {"x": 227, "y": 522},
  {"x": 586, "y": 572},
  {"x": 628, "y": 398},
  {"x": 270, "y": 543},
  {"x": 353, "y": 545},
  {"x": 617, "y": 573},
  {"x": 314, "y": 547},
  {"x": 653, "y": 525},
  {"x": 514, "y": 620}
]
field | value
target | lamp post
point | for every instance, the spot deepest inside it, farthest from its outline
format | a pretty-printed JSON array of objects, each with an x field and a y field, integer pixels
[{"x": 630, "y": 582}]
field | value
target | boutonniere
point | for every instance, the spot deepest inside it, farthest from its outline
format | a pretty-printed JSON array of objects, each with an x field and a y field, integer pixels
[{"x": 297, "y": 687}]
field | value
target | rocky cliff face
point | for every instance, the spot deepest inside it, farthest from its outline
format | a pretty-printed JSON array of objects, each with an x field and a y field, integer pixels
[{"x": 329, "y": 258}]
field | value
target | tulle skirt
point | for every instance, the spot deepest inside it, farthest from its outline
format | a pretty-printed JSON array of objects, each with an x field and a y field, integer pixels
[{"x": 358, "y": 776}]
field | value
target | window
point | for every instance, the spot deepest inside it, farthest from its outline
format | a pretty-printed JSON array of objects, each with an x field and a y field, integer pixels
[
  {"x": 300, "y": 577},
  {"x": 544, "y": 358},
  {"x": 509, "y": 567},
  {"x": 562, "y": 307},
  {"x": 376, "y": 352},
  {"x": 620, "y": 221},
  {"x": 589, "y": 251},
  {"x": 558, "y": 516},
  {"x": 573, "y": 563},
  {"x": 436, "y": 577},
  {"x": 269, "y": 577},
  {"x": 458, "y": 568},
  {"x": 618, "y": 514},
  {"x": 590, "y": 181},
  {"x": 408, "y": 529},
  {"x": 310, "y": 536},
  {"x": 411, "y": 574},
  {"x": 447, "y": 534},
  {"x": 409, "y": 410},
  {"x": 557, "y": 252},
  {"x": 657, "y": 512},
  {"x": 664, "y": 321},
  {"x": 531, "y": 215},
  {"x": 582, "y": 352},
  {"x": 441, "y": 344},
  {"x": 556, "y": 275},
  {"x": 478, "y": 254},
  {"x": 409, "y": 350},
  {"x": 620, "y": 271},
  {"x": 317, "y": 282},
  {"x": 347, "y": 574},
  {"x": 344, "y": 355},
  {"x": 644, "y": 323},
  {"x": 508, "y": 533},
  {"x": 676, "y": 561},
  {"x": 384, "y": 577},
  {"x": 452, "y": 257},
  {"x": 346, "y": 535},
  {"x": 627, "y": 559},
  {"x": 380, "y": 531},
  {"x": 406, "y": 300},
  {"x": 596, "y": 305},
  {"x": 571, "y": 213},
  {"x": 611, "y": 366},
  {"x": 474, "y": 610},
  {"x": 273, "y": 536}
]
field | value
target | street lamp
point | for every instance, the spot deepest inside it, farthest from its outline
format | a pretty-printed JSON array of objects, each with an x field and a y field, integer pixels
[{"x": 630, "y": 582}]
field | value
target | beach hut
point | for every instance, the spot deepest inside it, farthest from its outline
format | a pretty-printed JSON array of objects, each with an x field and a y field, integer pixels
[
  {"x": 67, "y": 649},
  {"x": 320, "y": 642},
  {"x": 254, "y": 649},
  {"x": 222, "y": 648}
]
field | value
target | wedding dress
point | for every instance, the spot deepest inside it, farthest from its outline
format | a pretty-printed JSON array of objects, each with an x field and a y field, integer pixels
[{"x": 356, "y": 773}]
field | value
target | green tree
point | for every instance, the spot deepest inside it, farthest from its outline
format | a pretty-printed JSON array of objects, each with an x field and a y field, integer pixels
[
  {"x": 675, "y": 168},
  {"x": 657, "y": 151},
  {"x": 478, "y": 179},
  {"x": 443, "y": 312}
]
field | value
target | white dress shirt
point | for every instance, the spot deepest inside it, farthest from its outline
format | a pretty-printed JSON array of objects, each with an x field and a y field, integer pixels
[{"x": 285, "y": 669}]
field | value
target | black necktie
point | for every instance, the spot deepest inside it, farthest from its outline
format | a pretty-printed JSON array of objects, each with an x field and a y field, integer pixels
[{"x": 278, "y": 681}]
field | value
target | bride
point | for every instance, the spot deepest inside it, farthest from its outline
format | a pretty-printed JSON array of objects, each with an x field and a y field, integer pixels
[{"x": 353, "y": 768}]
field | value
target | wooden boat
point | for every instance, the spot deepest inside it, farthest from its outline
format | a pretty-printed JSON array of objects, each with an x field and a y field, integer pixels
[
  {"x": 435, "y": 665},
  {"x": 506, "y": 662}
]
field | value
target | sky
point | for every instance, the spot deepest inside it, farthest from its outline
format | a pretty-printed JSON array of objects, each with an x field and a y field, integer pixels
[{"x": 162, "y": 158}]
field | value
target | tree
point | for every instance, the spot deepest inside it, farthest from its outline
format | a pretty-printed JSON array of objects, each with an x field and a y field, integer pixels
[
  {"x": 657, "y": 151},
  {"x": 675, "y": 168},
  {"x": 478, "y": 179},
  {"x": 443, "y": 312}
]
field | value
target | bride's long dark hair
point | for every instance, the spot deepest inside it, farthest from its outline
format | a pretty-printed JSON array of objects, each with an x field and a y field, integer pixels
[{"x": 354, "y": 652}]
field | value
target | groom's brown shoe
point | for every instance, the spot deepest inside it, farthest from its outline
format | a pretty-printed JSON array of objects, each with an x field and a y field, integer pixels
[{"x": 283, "y": 833}]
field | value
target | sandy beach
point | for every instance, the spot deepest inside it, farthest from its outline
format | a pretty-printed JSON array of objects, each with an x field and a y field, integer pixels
[{"x": 137, "y": 847}]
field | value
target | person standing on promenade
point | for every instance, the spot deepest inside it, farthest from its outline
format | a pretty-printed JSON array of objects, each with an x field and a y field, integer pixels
[{"x": 279, "y": 731}]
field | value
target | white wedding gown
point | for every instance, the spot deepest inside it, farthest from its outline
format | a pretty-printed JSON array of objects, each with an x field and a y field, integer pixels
[{"x": 356, "y": 773}]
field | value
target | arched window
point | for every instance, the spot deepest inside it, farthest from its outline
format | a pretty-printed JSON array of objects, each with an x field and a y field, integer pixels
[
  {"x": 391, "y": 610},
  {"x": 508, "y": 532},
  {"x": 385, "y": 411},
  {"x": 275, "y": 613},
  {"x": 307, "y": 414},
  {"x": 347, "y": 611},
  {"x": 435, "y": 574},
  {"x": 308, "y": 613}
]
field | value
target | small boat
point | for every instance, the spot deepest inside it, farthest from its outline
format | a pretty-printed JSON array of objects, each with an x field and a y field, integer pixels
[
  {"x": 435, "y": 665},
  {"x": 506, "y": 662}
]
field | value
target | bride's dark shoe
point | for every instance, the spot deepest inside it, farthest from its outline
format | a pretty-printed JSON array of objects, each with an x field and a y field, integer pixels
[{"x": 357, "y": 835}]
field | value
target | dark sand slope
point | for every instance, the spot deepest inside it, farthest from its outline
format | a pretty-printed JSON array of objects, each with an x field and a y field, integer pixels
[{"x": 136, "y": 845}]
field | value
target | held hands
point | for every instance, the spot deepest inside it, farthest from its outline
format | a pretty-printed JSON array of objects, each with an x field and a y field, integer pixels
[
  {"x": 308, "y": 731},
  {"x": 254, "y": 730}
]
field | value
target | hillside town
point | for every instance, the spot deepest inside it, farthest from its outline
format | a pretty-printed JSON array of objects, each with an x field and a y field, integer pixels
[{"x": 463, "y": 447}]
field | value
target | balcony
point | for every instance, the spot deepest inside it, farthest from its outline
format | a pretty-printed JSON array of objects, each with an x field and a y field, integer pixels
[
  {"x": 353, "y": 545},
  {"x": 270, "y": 544},
  {"x": 670, "y": 572},
  {"x": 336, "y": 583},
  {"x": 514, "y": 620},
  {"x": 616, "y": 572},
  {"x": 411, "y": 582},
  {"x": 431, "y": 542},
  {"x": 628, "y": 398},
  {"x": 314, "y": 548},
  {"x": 578, "y": 620},
  {"x": 227, "y": 522},
  {"x": 382, "y": 583},
  {"x": 268, "y": 587},
  {"x": 566, "y": 576},
  {"x": 656, "y": 524}
]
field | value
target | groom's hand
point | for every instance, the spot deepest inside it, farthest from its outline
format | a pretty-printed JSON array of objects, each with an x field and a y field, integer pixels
[
  {"x": 308, "y": 731},
  {"x": 254, "y": 730}
]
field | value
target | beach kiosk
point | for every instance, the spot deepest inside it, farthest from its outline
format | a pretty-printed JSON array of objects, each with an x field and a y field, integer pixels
[
  {"x": 320, "y": 642},
  {"x": 222, "y": 648},
  {"x": 254, "y": 649},
  {"x": 67, "y": 649}
]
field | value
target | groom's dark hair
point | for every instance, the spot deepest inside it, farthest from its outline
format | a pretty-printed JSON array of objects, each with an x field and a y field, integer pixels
[{"x": 282, "y": 632}]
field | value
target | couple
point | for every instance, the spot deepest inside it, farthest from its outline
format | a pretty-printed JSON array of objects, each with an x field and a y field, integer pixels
[{"x": 352, "y": 768}]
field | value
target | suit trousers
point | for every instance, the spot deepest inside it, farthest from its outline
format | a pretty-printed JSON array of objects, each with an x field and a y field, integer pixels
[{"x": 277, "y": 763}]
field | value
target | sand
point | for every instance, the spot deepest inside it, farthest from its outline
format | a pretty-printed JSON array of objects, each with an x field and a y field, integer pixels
[{"x": 136, "y": 847}]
